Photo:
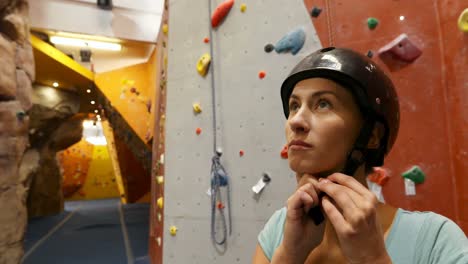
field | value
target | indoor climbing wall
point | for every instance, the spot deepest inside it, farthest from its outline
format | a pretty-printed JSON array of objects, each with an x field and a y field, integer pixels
[
  {"x": 87, "y": 172},
  {"x": 249, "y": 121},
  {"x": 427, "y": 168}
]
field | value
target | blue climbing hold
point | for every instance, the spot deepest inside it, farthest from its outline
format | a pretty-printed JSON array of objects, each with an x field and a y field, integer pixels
[{"x": 293, "y": 41}]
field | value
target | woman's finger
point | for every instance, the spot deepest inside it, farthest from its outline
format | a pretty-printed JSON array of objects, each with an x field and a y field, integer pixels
[
  {"x": 349, "y": 182},
  {"x": 334, "y": 215},
  {"x": 341, "y": 195}
]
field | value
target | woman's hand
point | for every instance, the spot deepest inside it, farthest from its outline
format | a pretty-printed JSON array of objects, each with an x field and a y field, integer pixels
[
  {"x": 301, "y": 235},
  {"x": 352, "y": 210}
]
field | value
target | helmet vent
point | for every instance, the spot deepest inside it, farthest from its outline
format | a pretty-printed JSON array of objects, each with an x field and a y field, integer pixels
[{"x": 327, "y": 49}]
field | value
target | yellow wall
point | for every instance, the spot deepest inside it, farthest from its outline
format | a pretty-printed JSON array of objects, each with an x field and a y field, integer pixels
[
  {"x": 116, "y": 86},
  {"x": 87, "y": 172}
]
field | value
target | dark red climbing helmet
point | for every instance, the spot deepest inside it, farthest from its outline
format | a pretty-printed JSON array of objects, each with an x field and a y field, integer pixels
[{"x": 372, "y": 89}]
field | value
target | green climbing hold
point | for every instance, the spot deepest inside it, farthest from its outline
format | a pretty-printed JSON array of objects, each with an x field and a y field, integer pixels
[
  {"x": 372, "y": 22},
  {"x": 415, "y": 174}
]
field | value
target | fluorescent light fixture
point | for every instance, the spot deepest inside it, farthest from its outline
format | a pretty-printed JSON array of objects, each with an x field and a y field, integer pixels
[
  {"x": 84, "y": 43},
  {"x": 55, "y": 84}
]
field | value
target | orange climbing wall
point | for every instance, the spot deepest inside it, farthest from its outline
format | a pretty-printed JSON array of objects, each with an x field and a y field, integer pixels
[
  {"x": 116, "y": 86},
  {"x": 433, "y": 92},
  {"x": 87, "y": 172}
]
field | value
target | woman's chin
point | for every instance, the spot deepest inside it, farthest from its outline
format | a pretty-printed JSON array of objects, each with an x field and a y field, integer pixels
[{"x": 303, "y": 166}]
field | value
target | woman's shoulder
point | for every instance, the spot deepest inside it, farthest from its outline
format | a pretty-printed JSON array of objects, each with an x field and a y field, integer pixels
[
  {"x": 272, "y": 233},
  {"x": 428, "y": 235}
]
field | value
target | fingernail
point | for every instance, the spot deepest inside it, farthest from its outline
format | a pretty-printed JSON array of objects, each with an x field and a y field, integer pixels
[
  {"x": 320, "y": 179},
  {"x": 325, "y": 181}
]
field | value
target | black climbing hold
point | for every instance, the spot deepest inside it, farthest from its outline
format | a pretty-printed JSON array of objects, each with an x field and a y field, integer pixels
[
  {"x": 269, "y": 48},
  {"x": 370, "y": 54},
  {"x": 315, "y": 12},
  {"x": 266, "y": 178}
]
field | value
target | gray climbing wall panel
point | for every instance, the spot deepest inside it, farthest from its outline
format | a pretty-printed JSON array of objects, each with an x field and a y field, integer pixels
[{"x": 249, "y": 116}]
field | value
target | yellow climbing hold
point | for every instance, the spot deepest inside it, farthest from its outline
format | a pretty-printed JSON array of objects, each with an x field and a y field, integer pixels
[
  {"x": 203, "y": 64},
  {"x": 197, "y": 108},
  {"x": 160, "y": 179},
  {"x": 173, "y": 230},
  {"x": 463, "y": 21},
  {"x": 165, "y": 29},
  {"x": 160, "y": 202},
  {"x": 243, "y": 7}
]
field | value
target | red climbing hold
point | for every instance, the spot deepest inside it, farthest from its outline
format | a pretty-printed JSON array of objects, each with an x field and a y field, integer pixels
[
  {"x": 241, "y": 153},
  {"x": 402, "y": 48},
  {"x": 284, "y": 152},
  {"x": 206, "y": 40},
  {"x": 379, "y": 176},
  {"x": 198, "y": 131},
  {"x": 261, "y": 74},
  {"x": 221, "y": 12},
  {"x": 220, "y": 205}
]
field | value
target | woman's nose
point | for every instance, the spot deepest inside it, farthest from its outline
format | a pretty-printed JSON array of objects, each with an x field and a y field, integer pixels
[{"x": 299, "y": 122}]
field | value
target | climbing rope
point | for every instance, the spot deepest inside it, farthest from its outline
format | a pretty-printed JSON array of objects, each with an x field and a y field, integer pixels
[{"x": 219, "y": 177}]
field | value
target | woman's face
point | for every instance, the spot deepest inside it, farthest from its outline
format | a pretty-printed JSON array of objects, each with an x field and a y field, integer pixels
[{"x": 324, "y": 122}]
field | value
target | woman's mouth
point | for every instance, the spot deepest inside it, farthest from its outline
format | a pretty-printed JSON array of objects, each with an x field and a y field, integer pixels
[{"x": 299, "y": 145}]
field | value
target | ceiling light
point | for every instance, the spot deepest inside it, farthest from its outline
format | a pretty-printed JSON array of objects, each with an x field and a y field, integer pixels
[
  {"x": 83, "y": 43},
  {"x": 96, "y": 111},
  {"x": 55, "y": 84},
  {"x": 88, "y": 91},
  {"x": 92, "y": 102},
  {"x": 402, "y": 18}
]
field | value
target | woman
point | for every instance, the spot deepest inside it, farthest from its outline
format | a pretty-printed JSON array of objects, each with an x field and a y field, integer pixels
[{"x": 342, "y": 119}]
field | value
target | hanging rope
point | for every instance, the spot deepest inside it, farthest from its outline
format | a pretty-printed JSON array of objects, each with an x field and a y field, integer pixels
[{"x": 219, "y": 177}]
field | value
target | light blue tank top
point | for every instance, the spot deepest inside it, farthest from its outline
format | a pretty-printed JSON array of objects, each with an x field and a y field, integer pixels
[{"x": 415, "y": 237}]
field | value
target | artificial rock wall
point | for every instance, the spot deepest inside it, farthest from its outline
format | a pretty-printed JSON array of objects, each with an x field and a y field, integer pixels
[{"x": 16, "y": 76}]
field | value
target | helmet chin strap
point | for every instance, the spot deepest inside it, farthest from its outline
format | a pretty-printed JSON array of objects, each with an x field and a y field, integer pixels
[{"x": 356, "y": 157}]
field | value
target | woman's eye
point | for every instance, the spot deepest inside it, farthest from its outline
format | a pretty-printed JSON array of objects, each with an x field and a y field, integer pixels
[
  {"x": 323, "y": 104},
  {"x": 293, "y": 106}
]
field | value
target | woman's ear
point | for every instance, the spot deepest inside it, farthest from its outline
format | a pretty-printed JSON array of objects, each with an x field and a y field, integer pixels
[{"x": 377, "y": 135}]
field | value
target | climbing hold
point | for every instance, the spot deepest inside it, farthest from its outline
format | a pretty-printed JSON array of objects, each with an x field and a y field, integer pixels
[
  {"x": 165, "y": 29},
  {"x": 220, "y": 205},
  {"x": 379, "y": 176},
  {"x": 293, "y": 41},
  {"x": 206, "y": 40},
  {"x": 415, "y": 174},
  {"x": 266, "y": 178},
  {"x": 221, "y": 12},
  {"x": 133, "y": 90},
  {"x": 128, "y": 82},
  {"x": 197, "y": 108},
  {"x": 160, "y": 179},
  {"x": 173, "y": 230},
  {"x": 198, "y": 131},
  {"x": 315, "y": 12},
  {"x": 160, "y": 202},
  {"x": 372, "y": 22},
  {"x": 203, "y": 64},
  {"x": 159, "y": 217},
  {"x": 284, "y": 152},
  {"x": 370, "y": 54},
  {"x": 148, "y": 105},
  {"x": 269, "y": 48},
  {"x": 241, "y": 153},
  {"x": 463, "y": 21},
  {"x": 243, "y": 7},
  {"x": 20, "y": 115},
  {"x": 402, "y": 48},
  {"x": 158, "y": 240},
  {"x": 261, "y": 74}
]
